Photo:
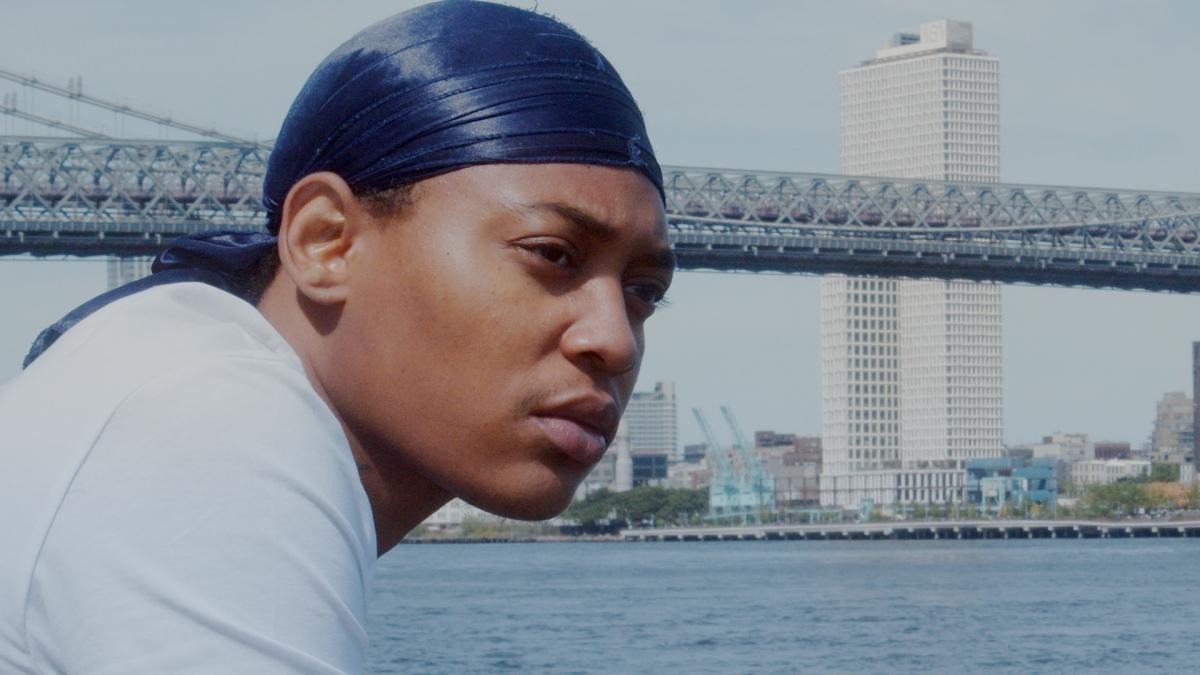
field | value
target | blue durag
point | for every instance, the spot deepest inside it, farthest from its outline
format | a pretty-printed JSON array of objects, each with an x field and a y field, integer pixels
[{"x": 441, "y": 87}]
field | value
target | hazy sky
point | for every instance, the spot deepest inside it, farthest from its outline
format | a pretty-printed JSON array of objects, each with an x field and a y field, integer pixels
[{"x": 1092, "y": 93}]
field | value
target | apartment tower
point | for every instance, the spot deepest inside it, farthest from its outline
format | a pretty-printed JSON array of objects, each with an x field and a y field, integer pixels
[{"x": 911, "y": 369}]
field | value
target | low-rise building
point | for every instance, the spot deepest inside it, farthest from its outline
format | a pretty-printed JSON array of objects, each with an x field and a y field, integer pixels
[
  {"x": 995, "y": 483},
  {"x": 1107, "y": 471},
  {"x": 797, "y": 483},
  {"x": 795, "y": 463}
]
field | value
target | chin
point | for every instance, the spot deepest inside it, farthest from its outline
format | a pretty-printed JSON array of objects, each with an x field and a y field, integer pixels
[{"x": 530, "y": 500}]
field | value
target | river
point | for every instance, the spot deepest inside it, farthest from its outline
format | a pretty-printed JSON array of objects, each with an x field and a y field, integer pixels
[{"x": 1002, "y": 606}]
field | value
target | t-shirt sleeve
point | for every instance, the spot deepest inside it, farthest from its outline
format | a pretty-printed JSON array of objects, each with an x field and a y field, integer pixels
[{"x": 217, "y": 526}]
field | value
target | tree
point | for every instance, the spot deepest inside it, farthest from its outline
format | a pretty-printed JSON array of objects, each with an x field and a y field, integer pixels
[
  {"x": 644, "y": 505},
  {"x": 1164, "y": 472},
  {"x": 1113, "y": 500},
  {"x": 592, "y": 510}
]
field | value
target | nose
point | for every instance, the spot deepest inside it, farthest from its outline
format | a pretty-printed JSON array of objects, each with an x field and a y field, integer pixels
[{"x": 601, "y": 337}]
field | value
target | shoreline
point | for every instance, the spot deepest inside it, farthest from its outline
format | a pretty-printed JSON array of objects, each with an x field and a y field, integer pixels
[{"x": 886, "y": 530}]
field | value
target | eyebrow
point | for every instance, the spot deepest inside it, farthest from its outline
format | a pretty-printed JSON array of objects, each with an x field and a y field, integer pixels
[{"x": 659, "y": 257}]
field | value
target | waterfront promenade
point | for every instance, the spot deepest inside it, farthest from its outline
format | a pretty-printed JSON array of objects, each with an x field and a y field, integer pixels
[{"x": 939, "y": 529}]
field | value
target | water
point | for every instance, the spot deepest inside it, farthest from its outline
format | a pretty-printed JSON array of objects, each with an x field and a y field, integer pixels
[{"x": 1052, "y": 606}]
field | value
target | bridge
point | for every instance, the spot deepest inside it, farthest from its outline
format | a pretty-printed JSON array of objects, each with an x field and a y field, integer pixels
[
  {"x": 100, "y": 196},
  {"x": 940, "y": 529}
]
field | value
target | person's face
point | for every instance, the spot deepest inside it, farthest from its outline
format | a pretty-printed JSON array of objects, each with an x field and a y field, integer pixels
[{"x": 494, "y": 331}]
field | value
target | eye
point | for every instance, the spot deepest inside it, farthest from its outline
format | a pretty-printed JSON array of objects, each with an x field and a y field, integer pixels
[
  {"x": 653, "y": 294},
  {"x": 554, "y": 253}
]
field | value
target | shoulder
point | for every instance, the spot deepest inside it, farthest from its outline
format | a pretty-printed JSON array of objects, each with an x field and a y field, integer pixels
[
  {"x": 167, "y": 322},
  {"x": 219, "y": 502}
]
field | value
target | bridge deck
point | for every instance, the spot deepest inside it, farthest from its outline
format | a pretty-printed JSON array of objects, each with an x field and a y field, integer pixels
[{"x": 107, "y": 197}]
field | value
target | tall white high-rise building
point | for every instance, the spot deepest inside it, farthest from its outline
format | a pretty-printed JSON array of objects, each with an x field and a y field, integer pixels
[
  {"x": 910, "y": 374},
  {"x": 653, "y": 422},
  {"x": 927, "y": 106}
]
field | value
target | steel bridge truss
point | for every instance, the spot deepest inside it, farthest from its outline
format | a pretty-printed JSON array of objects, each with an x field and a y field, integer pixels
[
  {"x": 123, "y": 197},
  {"x": 727, "y": 220},
  {"x": 104, "y": 197}
]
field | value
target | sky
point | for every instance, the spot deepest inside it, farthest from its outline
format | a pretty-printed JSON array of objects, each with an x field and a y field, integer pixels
[{"x": 1094, "y": 93}]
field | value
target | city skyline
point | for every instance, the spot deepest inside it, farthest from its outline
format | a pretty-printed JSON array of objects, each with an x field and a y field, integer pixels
[{"x": 1076, "y": 360}]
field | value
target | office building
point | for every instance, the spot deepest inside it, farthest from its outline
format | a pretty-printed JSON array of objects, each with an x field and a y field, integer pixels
[{"x": 911, "y": 369}]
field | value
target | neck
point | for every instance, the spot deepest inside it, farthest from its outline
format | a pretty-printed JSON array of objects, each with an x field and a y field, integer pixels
[{"x": 400, "y": 497}]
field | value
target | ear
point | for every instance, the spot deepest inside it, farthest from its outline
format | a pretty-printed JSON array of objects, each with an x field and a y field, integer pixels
[{"x": 320, "y": 223}]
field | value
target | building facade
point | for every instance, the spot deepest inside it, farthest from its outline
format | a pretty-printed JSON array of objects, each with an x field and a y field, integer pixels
[{"x": 911, "y": 369}]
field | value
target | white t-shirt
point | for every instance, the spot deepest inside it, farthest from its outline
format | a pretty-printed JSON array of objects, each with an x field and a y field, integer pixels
[{"x": 176, "y": 498}]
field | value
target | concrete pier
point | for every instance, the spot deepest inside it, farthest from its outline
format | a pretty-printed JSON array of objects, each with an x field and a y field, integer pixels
[{"x": 942, "y": 529}]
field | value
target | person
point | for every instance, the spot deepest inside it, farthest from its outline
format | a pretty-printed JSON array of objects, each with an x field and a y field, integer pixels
[{"x": 200, "y": 468}]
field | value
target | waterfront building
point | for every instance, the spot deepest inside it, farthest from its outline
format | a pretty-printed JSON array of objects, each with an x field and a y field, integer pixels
[
  {"x": 996, "y": 482},
  {"x": 1107, "y": 471},
  {"x": 1174, "y": 425},
  {"x": 797, "y": 483},
  {"x": 654, "y": 422},
  {"x": 794, "y": 462},
  {"x": 911, "y": 369}
]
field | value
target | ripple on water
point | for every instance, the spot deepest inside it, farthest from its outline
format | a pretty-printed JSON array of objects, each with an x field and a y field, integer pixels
[{"x": 1063, "y": 606}]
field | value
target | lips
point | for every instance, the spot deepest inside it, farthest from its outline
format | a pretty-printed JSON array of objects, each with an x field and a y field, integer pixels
[
  {"x": 574, "y": 439},
  {"x": 580, "y": 425}
]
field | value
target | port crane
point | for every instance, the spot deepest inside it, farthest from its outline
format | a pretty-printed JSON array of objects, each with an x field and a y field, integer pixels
[{"x": 741, "y": 490}]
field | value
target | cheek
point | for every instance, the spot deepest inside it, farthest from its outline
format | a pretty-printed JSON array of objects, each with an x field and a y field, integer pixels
[{"x": 457, "y": 346}]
